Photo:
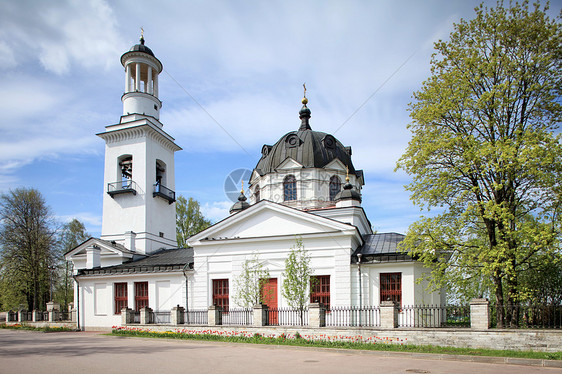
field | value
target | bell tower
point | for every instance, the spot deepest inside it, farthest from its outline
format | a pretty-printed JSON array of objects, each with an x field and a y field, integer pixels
[{"x": 139, "y": 209}]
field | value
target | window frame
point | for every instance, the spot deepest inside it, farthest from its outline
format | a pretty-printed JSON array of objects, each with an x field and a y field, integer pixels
[
  {"x": 141, "y": 299},
  {"x": 290, "y": 188},
  {"x": 219, "y": 296},
  {"x": 334, "y": 181},
  {"x": 320, "y": 290},
  {"x": 120, "y": 298},
  {"x": 390, "y": 287}
]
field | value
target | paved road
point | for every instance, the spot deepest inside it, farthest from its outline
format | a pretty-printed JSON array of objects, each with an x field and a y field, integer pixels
[{"x": 86, "y": 352}]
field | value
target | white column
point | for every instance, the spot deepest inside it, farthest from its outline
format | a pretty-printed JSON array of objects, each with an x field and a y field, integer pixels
[
  {"x": 128, "y": 79},
  {"x": 137, "y": 78},
  {"x": 149, "y": 81},
  {"x": 155, "y": 83}
]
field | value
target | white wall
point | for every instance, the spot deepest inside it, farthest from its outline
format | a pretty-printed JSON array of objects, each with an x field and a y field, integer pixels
[{"x": 97, "y": 300}]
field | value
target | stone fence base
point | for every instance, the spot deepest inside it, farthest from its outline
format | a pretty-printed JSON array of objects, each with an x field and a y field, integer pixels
[
  {"x": 536, "y": 340},
  {"x": 41, "y": 324}
]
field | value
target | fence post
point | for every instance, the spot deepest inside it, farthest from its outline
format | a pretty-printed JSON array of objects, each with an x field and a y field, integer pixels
[
  {"x": 215, "y": 315},
  {"x": 53, "y": 309},
  {"x": 126, "y": 316},
  {"x": 145, "y": 313},
  {"x": 260, "y": 315},
  {"x": 177, "y": 315},
  {"x": 479, "y": 314},
  {"x": 389, "y": 315},
  {"x": 35, "y": 316},
  {"x": 316, "y": 315},
  {"x": 21, "y": 315}
]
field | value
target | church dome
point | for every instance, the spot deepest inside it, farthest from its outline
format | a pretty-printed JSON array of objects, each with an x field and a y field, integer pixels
[
  {"x": 312, "y": 149},
  {"x": 141, "y": 48}
]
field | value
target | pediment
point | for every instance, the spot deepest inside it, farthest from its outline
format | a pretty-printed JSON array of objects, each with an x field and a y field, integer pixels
[
  {"x": 107, "y": 249},
  {"x": 268, "y": 219},
  {"x": 288, "y": 164},
  {"x": 336, "y": 164}
]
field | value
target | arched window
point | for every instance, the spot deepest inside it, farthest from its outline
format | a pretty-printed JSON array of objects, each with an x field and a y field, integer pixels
[
  {"x": 289, "y": 188},
  {"x": 257, "y": 194},
  {"x": 335, "y": 187},
  {"x": 126, "y": 169}
]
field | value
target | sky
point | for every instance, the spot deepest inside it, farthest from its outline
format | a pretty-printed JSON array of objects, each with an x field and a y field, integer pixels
[{"x": 232, "y": 81}]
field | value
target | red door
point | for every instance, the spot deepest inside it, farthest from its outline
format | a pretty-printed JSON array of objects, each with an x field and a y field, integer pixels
[{"x": 269, "y": 296}]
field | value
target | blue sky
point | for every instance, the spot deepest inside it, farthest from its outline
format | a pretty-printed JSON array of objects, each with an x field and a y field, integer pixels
[{"x": 244, "y": 62}]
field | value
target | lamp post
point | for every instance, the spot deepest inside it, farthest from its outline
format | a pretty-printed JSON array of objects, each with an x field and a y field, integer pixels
[{"x": 360, "y": 288}]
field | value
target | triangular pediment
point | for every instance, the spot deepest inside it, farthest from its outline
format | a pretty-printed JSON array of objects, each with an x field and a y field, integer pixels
[
  {"x": 106, "y": 249},
  {"x": 289, "y": 164},
  {"x": 268, "y": 219},
  {"x": 336, "y": 164}
]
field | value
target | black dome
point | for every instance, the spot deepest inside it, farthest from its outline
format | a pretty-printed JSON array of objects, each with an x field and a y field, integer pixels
[
  {"x": 312, "y": 149},
  {"x": 141, "y": 48}
]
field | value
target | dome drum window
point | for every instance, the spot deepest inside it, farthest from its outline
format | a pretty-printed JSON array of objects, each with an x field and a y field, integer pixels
[
  {"x": 290, "y": 188},
  {"x": 335, "y": 187}
]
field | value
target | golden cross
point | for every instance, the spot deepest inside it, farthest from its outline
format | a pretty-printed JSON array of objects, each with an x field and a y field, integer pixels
[
  {"x": 142, "y": 32},
  {"x": 304, "y": 85}
]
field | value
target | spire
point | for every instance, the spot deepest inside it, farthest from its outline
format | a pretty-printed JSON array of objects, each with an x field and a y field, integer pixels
[
  {"x": 304, "y": 113},
  {"x": 241, "y": 204}
]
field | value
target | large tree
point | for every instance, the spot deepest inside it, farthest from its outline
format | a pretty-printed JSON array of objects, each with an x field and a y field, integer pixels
[
  {"x": 71, "y": 234},
  {"x": 485, "y": 152},
  {"x": 189, "y": 220},
  {"x": 27, "y": 246}
]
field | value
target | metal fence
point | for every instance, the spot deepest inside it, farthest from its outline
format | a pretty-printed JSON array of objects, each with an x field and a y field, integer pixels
[
  {"x": 196, "y": 317},
  {"x": 287, "y": 317},
  {"x": 353, "y": 316},
  {"x": 529, "y": 316},
  {"x": 136, "y": 317},
  {"x": 161, "y": 317},
  {"x": 434, "y": 316},
  {"x": 65, "y": 316},
  {"x": 238, "y": 317}
]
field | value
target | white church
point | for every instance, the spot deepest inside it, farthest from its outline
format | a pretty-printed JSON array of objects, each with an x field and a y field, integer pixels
[{"x": 304, "y": 186}]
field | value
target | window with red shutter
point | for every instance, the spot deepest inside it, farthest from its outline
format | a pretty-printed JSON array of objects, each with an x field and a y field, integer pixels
[
  {"x": 220, "y": 293},
  {"x": 120, "y": 297},
  {"x": 391, "y": 287},
  {"x": 320, "y": 290},
  {"x": 141, "y": 295}
]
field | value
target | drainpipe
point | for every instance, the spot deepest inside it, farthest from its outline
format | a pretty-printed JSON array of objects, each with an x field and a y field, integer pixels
[
  {"x": 360, "y": 290},
  {"x": 186, "y": 293},
  {"x": 77, "y": 301}
]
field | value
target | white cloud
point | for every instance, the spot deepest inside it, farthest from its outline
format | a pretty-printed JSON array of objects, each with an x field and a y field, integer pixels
[
  {"x": 216, "y": 210},
  {"x": 61, "y": 34}
]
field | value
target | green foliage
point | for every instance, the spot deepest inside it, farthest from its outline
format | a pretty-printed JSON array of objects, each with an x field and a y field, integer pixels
[
  {"x": 189, "y": 220},
  {"x": 27, "y": 248},
  {"x": 485, "y": 153},
  {"x": 249, "y": 284},
  {"x": 72, "y": 234},
  {"x": 296, "y": 278}
]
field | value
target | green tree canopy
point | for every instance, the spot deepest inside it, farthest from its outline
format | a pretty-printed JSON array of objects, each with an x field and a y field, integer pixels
[
  {"x": 27, "y": 248},
  {"x": 70, "y": 236},
  {"x": 189, "y": 220},
  {"x": 297, "y": 277},
  {"x": 486, "y": 152}
]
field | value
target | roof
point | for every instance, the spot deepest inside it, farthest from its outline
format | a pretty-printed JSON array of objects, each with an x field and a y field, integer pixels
[
  {"x": 165, "y": 260},
  {"x": 141, "y": 48},
  {"x": 312, "y": 149},
  {"x": 381, "y": 247}
]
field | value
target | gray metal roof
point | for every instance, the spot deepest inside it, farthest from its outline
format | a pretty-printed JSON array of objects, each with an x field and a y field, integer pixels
[
  {"x": 381, "y": 247},
  {"x": 162, "y": 261}
]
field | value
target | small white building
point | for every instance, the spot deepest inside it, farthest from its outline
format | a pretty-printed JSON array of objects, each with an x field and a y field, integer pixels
[{"x": 304, "y": 186}]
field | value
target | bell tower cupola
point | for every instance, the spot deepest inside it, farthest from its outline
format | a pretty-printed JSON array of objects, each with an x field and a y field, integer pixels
[{"x": 141, "y": 82}]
